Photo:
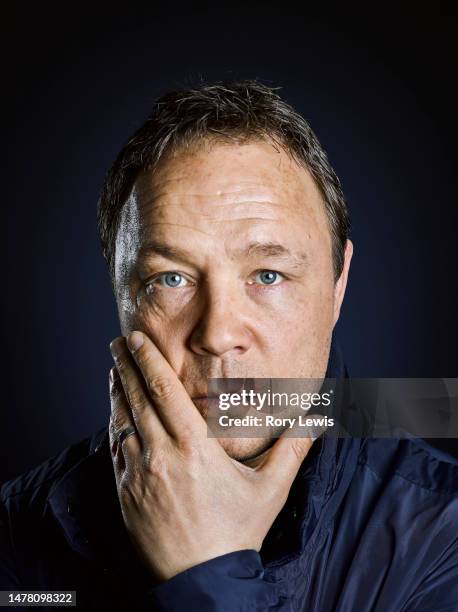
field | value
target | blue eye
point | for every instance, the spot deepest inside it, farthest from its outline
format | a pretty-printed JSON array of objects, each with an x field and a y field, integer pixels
[
  {"x": 269, "y": 277},
  {"x": 171, "y": 279}
]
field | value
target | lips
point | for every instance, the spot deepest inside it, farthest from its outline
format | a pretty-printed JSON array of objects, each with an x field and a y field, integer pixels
[
  {"x": 216, "y": 386},
  {"x": 206, "y": 404},
  {"x": 196, "y": 397}
]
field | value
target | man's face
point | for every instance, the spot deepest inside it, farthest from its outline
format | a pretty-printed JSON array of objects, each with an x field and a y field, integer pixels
[{"x": 224, "y": 258}]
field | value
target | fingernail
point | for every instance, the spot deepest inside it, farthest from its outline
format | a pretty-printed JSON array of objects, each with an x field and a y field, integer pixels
[
  {"x": 117, "y": 347},
  {"x": 114, "y": 375},
  {"x": 134, "y": 341}
]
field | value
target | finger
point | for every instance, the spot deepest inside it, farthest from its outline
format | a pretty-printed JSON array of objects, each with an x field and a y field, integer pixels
[
  {"x": 175, "y": 408},
  {"x": 287, "y": 454},
  {"x": 149, "y": 425},
  {"x": 124, "y": 452}
]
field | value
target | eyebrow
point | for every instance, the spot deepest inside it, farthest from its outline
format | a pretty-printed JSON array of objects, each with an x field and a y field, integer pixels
[
  {"x": 164, "y": 250},
  {"x": 273, "y": 250}
]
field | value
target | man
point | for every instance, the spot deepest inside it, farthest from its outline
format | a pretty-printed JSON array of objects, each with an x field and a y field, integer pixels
[{"x": 226, "y": 234}]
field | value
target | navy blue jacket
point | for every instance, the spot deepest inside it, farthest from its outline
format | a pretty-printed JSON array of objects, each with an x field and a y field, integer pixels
[{"x": 369, "y": 524}]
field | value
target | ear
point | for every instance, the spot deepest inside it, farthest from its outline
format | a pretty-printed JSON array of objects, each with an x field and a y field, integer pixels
[{"x": 341, "y": 284}]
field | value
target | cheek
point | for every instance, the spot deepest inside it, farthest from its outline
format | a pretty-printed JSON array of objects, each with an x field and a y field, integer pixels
[
  {"x": 138, "y": 310},
  {"x": 167, "y": 335},
  {"x": 301, "y": 307},
  {"x": 298, "y": 337},
  {"x": 127, "y": 310}
]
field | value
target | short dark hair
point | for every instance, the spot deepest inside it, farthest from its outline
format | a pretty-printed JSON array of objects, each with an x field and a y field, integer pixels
[{"x": 233, "y": 111}]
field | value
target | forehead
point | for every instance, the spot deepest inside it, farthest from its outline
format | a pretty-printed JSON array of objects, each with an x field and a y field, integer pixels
[
  {"x": 229, "y": 172},
  {"x": 216, "y": 192}
]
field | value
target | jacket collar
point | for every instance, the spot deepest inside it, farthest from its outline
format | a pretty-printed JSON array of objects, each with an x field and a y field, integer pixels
[{"x": 84, "y": 501}]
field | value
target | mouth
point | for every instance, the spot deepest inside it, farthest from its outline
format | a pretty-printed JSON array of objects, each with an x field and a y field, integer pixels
[
  {"x": 198, "y": 397},
  {"x": 206, "y": 401},
  {"x": 206, "y": 404}
]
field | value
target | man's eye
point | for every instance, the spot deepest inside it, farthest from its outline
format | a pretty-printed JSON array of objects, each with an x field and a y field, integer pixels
[
  {"x": 170, "y": 280},
  {"x": 268, "y": 277}
]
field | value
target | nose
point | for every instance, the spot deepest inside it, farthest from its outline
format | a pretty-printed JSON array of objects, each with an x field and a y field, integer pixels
[{"x": 221, "y": 327}]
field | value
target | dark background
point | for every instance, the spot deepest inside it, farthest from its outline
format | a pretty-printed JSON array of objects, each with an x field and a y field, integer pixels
[{"x": 376, "y": 86}]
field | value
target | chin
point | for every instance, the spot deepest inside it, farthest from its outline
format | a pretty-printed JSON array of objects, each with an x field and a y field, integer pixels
[{"x": 243, "y": 449}]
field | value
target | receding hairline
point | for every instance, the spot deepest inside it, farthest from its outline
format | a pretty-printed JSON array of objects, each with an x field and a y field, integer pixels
[
  {"x": 207, "y": 142},
  {"x": 207, "y": 145}
]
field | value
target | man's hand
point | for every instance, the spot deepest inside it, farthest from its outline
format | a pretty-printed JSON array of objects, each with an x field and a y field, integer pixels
[{"x": 183, "y": 499}]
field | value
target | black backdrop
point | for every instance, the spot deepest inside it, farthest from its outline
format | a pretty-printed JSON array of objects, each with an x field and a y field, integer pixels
[{"x": 376, "y": 86}]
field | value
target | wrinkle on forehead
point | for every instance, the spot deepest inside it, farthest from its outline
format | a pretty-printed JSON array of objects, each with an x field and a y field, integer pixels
[
  {"x": 217, "y": 200},
  {"x": 255, "y": 172},
  {"x": 217, "y": 205},
  {"x": 222, "y": 206}
]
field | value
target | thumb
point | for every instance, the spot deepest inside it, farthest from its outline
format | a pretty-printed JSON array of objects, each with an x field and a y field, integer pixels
[{"x": 287, "y": 454}]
